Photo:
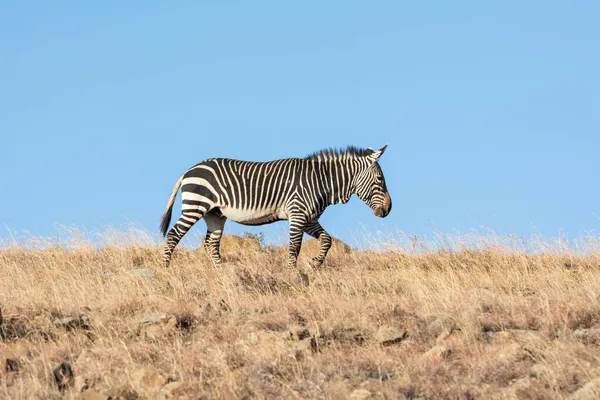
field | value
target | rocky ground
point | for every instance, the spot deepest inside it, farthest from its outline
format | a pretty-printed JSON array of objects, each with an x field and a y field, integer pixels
[{"x": 112, "y": 323}]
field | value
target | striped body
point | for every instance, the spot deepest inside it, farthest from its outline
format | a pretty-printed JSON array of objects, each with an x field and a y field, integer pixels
[{"x": 257, "y": 193}]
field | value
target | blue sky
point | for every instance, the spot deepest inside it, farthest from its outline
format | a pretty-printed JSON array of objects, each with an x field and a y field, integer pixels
[{"x": 490, "y": 109}]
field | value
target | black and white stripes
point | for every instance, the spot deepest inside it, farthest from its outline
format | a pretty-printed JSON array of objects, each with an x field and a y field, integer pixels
[{"x": 257, "y": 193}]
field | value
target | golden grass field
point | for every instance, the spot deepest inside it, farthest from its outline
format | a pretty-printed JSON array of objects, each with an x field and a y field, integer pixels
[{"x": 487, "y": 321}]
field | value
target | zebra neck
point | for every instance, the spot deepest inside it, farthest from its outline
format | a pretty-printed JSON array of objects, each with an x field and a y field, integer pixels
[{"x": 338, "y": 180}]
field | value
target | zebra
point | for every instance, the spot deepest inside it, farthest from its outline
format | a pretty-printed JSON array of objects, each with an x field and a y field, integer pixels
[{"x": 256, "y": 193}]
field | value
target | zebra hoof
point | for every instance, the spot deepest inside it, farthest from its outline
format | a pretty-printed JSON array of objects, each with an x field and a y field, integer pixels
[{"x": 316, "y": 263}]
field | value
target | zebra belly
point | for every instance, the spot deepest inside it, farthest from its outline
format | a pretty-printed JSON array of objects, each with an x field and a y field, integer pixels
[{"x": 252, "y": 217}]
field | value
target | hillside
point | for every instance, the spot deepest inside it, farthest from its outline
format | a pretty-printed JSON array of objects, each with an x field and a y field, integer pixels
[{"x": 494, "y": 323}]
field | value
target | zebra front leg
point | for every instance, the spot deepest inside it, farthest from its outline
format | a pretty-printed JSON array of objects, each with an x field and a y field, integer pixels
[
  {"x": 315, "y": 230},
  {"x": 181, "y": 227},
  {"x": 296, "y": 232},
  {"x": 214, "y": 231}
]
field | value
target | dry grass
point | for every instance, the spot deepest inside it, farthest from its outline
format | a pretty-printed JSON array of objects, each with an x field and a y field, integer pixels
[{"x": 494, "y": 322}]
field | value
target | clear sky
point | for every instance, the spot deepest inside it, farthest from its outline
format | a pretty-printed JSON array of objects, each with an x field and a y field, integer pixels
[{"x": 491, "y": 109}]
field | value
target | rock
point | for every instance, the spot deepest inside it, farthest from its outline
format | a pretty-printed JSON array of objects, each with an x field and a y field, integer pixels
[
  {"x": 71, "y": 323},
  {"x": 525, "y": 337},
  {"x": 236, "y": 244},
  {"x": 436, "y": 354},
  {"x": 11, "y": 365},
  {"x": 582, "y": 333},
  {"x": 336, "y": 389},
  {"x": 154, "y": 319},
  {"x": 305, "y": 388},
  {"x": 14, "y": 327},
  {"x": 498, "y": 338},
  {"x": 347, "y": 336},
  {"x": 437, "y": 324},
  {"x": 590, "y": 390},
  {"x": 63, "y": 376},
  {"x": 517, "y": 388},
  {"x": 515, "y": 344},
  {"x": 252, "y": 337},
  {"x": 360, "y": 394},
  {"x": 84, "y": 357},
  {"x": 153, "y": 332},
  {"x": 8, "y": 379},
  {"x": 338, "y": 248},
  {"x": 303, "y": 278},
  {"x": 388, "y": 335},
  {"x": 80, "y": 384},
  {"x": 92, "y": 395},
  {"x": 317, "y": 343},
  {"x": 452, "y": 339},
  {"x": 223, "y": 306},
  {"x": 300, "y": 334},
  {"x": 235, "y": 248},
  {"x": 171, "y": 390},
  {"x": 148, "y": 378},
  {"x": 339, "y": 335},
  {"x": 155, "y": 326},
  {"x": 142, "y": 272},
  {"x": 528, "y": 337},
  {"x": 587, "y": 336},
  {"x": 508, "y": 353},
  {"x": 541, "y": 371},
  {"x": 559, "y": 333},
  {"x": 300, "y": 349}
]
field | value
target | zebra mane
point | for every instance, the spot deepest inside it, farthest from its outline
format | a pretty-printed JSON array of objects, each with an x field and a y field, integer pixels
[{"x": 331, "y": 153}]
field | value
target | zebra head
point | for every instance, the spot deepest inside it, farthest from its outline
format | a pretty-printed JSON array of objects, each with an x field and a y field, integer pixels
[{"x": 369, "y": 184}]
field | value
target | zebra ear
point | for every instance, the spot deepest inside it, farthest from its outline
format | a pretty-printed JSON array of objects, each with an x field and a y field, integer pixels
[{"x": 376, "y": 154}]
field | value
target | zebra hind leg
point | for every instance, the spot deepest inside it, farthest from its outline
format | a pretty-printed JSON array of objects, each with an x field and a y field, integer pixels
[
  {"x": 315, "y": 230},
  {"x": 214, "y": 231},
  {"x": 181, "y": 227}
]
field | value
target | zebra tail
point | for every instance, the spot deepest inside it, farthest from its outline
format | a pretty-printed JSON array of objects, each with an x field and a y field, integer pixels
[{"x": 166, "y": 218}]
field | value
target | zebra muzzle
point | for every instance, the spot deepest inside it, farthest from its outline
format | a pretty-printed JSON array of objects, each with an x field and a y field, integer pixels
[
  {"x": 383, "y": 210},
  {"x": 380, "y": 212}
]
